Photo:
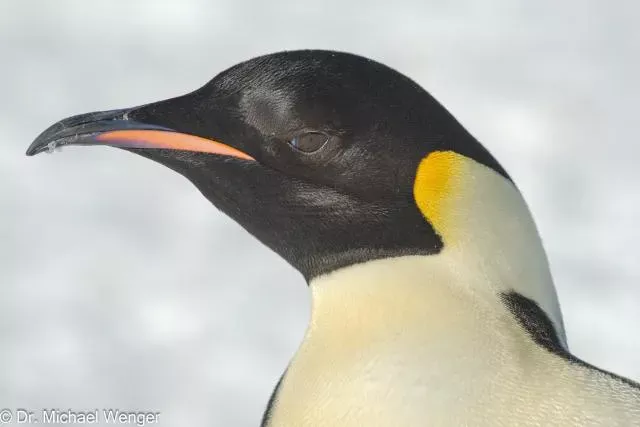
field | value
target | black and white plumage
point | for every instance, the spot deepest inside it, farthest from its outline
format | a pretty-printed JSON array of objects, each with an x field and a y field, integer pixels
[{"x": 433, "y": 303}]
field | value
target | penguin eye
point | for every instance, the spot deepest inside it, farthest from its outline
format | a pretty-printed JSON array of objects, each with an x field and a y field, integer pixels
[{"x": 309, "y": 142}]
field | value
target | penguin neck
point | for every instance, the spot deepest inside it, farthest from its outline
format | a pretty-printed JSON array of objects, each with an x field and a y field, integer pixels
[
  {"x": 490, "y": 242},
  {"x": 490, "y": 248}
]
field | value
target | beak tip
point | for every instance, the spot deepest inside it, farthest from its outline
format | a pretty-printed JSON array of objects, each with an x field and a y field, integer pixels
[
  {"x": 36, "y": 147},
  {"x": 31, "y": 151}
]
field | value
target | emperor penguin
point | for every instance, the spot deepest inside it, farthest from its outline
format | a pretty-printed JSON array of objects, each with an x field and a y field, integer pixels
[{"x": 432, "y": 299}]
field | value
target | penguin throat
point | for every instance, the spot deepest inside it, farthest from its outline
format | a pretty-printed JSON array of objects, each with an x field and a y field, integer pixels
[{"x": 398, "y": 341}]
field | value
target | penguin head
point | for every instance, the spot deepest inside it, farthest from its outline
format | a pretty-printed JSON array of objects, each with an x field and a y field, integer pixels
[{"x": 330, "y": 159}]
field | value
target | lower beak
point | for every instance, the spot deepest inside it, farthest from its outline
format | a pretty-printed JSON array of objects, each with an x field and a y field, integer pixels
[{"x": 114, "y": 128}]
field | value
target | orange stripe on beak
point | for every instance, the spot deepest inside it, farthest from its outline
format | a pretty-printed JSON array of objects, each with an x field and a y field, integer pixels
[{"x": 169, "y": 140}]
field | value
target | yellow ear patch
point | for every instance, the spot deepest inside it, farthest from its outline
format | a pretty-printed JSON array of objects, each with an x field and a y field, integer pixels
[{"x": 438, "y": 181}]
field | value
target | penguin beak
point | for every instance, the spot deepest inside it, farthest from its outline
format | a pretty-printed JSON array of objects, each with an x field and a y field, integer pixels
[{"x": 115, "y": 128}]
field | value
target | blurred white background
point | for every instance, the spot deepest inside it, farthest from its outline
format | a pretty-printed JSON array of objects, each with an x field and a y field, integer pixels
[{"x": 121, "y": 285}]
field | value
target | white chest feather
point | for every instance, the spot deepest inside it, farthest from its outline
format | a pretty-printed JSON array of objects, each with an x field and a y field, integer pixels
[{"x": 398, "y": 350}]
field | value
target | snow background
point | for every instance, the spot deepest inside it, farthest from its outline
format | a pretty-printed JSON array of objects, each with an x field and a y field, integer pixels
[{"x": 121, "y": 285}]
